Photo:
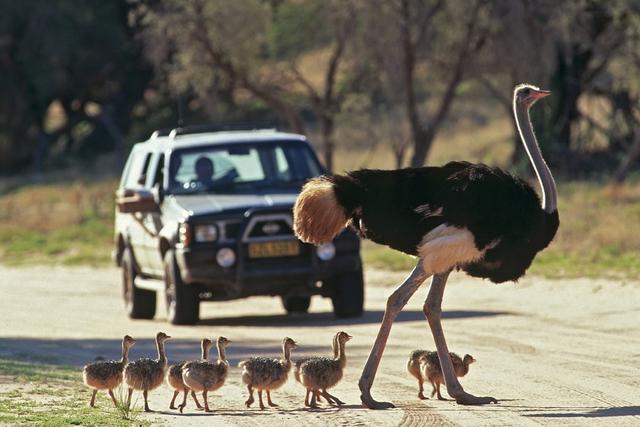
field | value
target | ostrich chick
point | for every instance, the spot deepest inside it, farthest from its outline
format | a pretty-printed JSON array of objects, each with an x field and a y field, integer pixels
[
  {"x": 107, "y": 375},
  {"x": 425, "y": 366},
  {"x": 205, "y": 376},
  {"x": 298, "y": 364},
  {"x": 174, "y": 378},
  {"x": 267, "y": 373},
  {"x": 147, "y": 374},
  {"x": 319, "y": 374}
]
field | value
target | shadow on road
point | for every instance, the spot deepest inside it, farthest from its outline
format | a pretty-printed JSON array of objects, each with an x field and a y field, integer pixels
[
  {"x": 327, "y": 318},
  {"x": 616, "y": 411}
]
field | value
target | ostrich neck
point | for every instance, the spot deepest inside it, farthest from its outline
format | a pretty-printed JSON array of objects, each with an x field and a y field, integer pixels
[
  {"x": 221, "y": 355},
  {"x": 342, "y": 356},
  {"x": 334, "y": 346},
  {"x": 205, "y": 352},
  {"x": 286, "y": 354},
  {"x": 547, "y": 183},
  {"x": 125, "y": 354},
  {"x": 162, "y": 356}
]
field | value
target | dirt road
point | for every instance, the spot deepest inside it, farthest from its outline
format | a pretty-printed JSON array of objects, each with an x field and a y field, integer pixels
[{"x": 553, "y": 352}]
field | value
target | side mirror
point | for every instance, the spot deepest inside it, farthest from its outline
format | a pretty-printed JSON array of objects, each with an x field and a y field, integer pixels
[
  {"x": 131, "y": 201},
  {"x": 158, "y": 194}
]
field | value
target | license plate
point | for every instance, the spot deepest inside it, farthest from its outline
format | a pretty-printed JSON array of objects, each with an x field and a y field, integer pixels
[{"x": 274, "y": 249}]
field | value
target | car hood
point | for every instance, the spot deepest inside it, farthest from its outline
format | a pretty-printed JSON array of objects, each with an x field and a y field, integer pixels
[{"x": 203, "y": 204}]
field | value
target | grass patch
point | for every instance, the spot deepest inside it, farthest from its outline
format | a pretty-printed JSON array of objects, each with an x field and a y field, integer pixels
[
  {"x": 68, "y": 224},
  {"x": 52, "y": 395}
]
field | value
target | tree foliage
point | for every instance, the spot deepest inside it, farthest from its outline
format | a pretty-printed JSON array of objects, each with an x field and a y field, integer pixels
[{"x": 77, "y": 75}]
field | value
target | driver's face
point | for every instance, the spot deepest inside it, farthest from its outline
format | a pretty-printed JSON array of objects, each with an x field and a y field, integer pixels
[{"x": 204, "y": 170}]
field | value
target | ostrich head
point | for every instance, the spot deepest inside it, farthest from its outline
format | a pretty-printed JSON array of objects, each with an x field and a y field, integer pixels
[
  {"x": 527, "y": 94},
  {"x": 468, "y": 359},
  {"x": 128, "y": 341},
  {"x": 223, "y": 342},
  {"x": 206, "y": 343},
  {"x": 162, "y": 337},
  {"x": 289, "y": 343},
  {"x": 343, "y": 337}
]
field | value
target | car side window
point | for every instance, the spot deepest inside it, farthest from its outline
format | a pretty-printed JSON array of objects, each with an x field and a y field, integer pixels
[
  {"x": 137, "y": 172},
  {"x": 158, "y": 177}
]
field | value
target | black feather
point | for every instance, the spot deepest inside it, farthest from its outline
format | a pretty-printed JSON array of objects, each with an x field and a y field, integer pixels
[{"x": 502, "y": 212}]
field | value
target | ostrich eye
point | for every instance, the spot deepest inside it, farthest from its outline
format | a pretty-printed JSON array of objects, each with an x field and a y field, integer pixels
[{"x": 526, "y": 91}]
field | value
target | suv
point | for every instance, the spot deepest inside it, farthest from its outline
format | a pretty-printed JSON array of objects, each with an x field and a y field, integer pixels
[{"x": 205, "y": 214}]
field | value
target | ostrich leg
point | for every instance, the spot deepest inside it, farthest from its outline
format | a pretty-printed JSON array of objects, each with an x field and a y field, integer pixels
[
  {"x": 432, "y": 309},
  {"x": 395, "y": 303}
]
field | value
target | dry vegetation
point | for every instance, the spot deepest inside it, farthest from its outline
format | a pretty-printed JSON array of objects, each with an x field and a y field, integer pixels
[{"x": 71, "y": 222}]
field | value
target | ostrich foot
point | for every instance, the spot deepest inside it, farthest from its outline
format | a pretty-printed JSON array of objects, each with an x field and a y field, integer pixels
[
  {"x": 422, "y": 396},
  {"x": 469, "y": 399},
  {"x": 249, "y": 401},
  {"x": 371, "y": 403}
]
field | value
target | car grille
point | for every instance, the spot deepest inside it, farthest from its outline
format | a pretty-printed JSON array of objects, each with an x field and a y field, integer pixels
[
  {"x": 232, "y": 230},
  {"x": 268, "y": 228}
]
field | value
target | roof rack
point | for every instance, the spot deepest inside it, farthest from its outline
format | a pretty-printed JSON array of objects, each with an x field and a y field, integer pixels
[{"x": 213, "y": 127}]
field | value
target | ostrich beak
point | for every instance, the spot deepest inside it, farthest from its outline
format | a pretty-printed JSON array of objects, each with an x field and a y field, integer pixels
[{"x": 539, "y": 94}]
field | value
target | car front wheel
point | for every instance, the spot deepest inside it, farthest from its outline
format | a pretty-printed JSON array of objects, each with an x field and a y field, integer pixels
[
  {"x": 183, "y": 301},
  {"x": 348, "y": 294},
  {"x": 139, "y": 303},
  {"x": 296, "y": 304}
]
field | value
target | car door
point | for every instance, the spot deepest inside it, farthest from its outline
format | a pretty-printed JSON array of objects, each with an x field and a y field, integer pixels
[
  {"x": 136, "y": 232},
  {"x": 153, "y": 220}
]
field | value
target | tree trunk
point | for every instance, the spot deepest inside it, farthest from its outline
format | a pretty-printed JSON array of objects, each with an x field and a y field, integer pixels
[
  {"x": 326, "y": 130},
  {"x": 632, "y": 157}
]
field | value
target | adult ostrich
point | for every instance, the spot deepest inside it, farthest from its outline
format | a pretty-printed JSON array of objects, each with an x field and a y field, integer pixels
[{"x": 466, "y": 216}]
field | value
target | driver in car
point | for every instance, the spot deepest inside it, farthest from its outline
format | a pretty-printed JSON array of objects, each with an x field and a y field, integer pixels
[{"x": 204, "y": 172}]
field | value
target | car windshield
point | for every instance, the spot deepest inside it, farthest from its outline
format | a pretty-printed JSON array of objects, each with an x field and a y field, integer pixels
[{"x": 241, "y": 168}]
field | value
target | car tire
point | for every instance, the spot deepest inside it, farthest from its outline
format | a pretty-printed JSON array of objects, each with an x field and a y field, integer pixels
[
  {"x": 139, "y": 303},
  {"x": 348, "y": 294},
  {"x": 183, "y": 301},
  {"x": 296, "y": 304}
]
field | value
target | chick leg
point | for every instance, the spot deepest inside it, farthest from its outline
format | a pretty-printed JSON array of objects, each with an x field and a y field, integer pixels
[
  {"x": 195, "y": 399},
  {"x": 113, "y": 397},
  {"x": 313, "y": 403},
  {"x": 421, "y": 396},
  {"x": 331, "y": 398},
  {"x": 306, "y": 397},
  {"x": 173, "y": 400},
  {"x": 395, "y": 303},
  {"x": 260, "y": 399},
  {"x": 269, "y": 402},
  {"x": 130, "y": 392},
  {"x": 92, "y": 403},
  {"x": 433, "y": 392},
  {"x": 438, "y": 391},
  {"x": 184, "y": 400},
  {"x": 433, "y": 311},
  {"x": 250, "y": 400},
  {"x": 206, "y": 402},
  {"x": 146, "y": 401}
]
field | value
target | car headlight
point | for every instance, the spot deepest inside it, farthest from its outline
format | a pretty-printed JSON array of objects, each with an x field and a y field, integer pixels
[
  {"x": 226, "y": 257},
  {"x": 184, "y": 234},
  {"x": 205, "y": 233},
  {"x": 326, "y": 252}
]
